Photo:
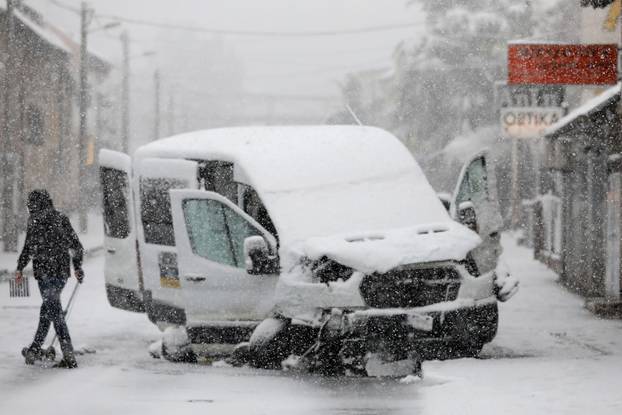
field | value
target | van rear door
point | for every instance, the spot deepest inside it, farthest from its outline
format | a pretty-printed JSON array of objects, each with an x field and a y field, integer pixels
[
  {"x": 156, "y": 236},
  {"x": 477, "y": 186},
  {"x": 121, "y": 269},
  {"x": 210, "y": 231}
]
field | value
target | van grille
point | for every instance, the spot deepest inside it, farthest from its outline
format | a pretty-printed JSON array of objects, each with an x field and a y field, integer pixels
[{"x": 410, "y": 287}]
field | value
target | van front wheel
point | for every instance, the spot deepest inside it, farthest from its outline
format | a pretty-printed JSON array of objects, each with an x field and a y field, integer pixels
[{"x": 269, "y": 344}]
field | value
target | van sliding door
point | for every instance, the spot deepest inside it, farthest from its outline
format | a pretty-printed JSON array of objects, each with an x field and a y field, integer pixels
[{"x": 156, "y": 235}]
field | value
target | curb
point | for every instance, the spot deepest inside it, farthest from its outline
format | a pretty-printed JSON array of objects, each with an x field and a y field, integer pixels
[
  {"x": 604, "y": 307},
  {"x": 6, "y": 274}
]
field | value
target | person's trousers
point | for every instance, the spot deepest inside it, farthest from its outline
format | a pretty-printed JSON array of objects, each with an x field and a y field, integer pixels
[{"x": 52, "y": 313}]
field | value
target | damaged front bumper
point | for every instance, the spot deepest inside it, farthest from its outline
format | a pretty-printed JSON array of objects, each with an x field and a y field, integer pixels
[{"x": 465, "y": 324}]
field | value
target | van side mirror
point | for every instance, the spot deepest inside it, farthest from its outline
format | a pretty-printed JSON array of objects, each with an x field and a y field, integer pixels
[
  {"x": 445, "y": 199},
  {"x": 258, "y": 258},
  {"x": 467, "y": 216}
]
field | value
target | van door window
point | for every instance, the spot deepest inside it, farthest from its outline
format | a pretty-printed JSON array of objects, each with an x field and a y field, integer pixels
[
  {"x": 216, "y": 232},
  {"x": 207, "y": 230},
  {"x": 155, "y": 207},
  {"x": 474, "y": 186},
  {"x": 115, "y": 190}
]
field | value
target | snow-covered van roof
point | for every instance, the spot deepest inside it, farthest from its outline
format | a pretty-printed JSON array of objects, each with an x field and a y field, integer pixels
[{"x": 318, "y": 180}]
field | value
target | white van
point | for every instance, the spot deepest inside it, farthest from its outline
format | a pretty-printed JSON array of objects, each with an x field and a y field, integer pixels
[{"x": 202, "y": 227}]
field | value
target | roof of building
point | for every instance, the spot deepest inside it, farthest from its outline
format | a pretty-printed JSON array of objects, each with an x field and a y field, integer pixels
[
  {"x": 54, "y": 36},
  {"x": 589, "y": 108}
]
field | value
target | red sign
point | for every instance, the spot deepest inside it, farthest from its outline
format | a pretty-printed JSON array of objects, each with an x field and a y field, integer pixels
[{"x": 562, "y": 64}]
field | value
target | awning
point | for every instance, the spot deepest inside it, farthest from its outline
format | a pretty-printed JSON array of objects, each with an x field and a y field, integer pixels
[{"x": 589, "y": 108}]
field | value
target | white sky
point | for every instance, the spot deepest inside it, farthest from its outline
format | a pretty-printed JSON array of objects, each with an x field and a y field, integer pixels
[
  {"x": 301, "y": 65},
  {"x": 308, "y": 66}
]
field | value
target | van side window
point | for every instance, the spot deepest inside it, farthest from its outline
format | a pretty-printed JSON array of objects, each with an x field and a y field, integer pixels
[
  {"x": 155, "y": 207},
  {"x": 252, "y": 204},
  {"x": 217, "y": 176},
  {"x": 115, "y": 190},
  {"x": 216, "y": 232}
]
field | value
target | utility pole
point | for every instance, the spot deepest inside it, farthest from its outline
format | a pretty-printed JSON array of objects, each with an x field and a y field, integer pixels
[
  {"x": 620, "y": 73},
  {"x": 515, "y": 189},
  {"x": 156, "y": 113},
  {"x": 9, "y": 223},
  {"x": 125, "y": 95},
  {"x": 171, "y": 113},
  {"x": 84, "y": 96}
]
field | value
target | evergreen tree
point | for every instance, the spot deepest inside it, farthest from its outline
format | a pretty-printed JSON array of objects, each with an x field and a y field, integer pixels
[
  {"x": 448, "y": 78},
  {"x": 597, "y": 4}
]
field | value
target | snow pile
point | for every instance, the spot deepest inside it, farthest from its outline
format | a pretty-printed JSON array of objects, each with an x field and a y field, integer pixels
[
  {"x": 221, "y": 364},
  {"x": 175, "y": 336},
  {"x": 505, "y": 283},
  {"x": 294, "y": 363},
  {"x": 176, "y": 345},
  {"x": 155, "y": 349},
  {"x": 410, "y": 379}
]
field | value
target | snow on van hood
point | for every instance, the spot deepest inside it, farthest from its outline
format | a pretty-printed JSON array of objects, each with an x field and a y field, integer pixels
[{"x": 381, "y": 251}]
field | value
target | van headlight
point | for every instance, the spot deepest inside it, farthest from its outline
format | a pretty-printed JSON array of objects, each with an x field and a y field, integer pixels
[{"x": 325, "y": 270}]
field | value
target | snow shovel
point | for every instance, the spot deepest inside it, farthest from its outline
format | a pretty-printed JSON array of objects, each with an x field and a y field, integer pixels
[{"x": 50, "y": 352}]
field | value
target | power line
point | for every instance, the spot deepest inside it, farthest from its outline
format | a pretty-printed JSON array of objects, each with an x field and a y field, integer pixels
[
  {"x": 200, "y": 29},
  {"x": 250, "y": 95},
  {"x": 65, "y": 6}
]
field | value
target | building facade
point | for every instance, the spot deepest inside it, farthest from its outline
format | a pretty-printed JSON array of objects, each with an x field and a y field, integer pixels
[{"x": 39, "y": 94}]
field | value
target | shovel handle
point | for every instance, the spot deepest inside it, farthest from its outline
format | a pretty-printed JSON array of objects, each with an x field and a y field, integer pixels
[{"x": 67, "y": 309}]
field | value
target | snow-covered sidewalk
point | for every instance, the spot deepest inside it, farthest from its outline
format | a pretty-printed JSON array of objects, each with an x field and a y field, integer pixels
[
  {"x": 93, "y": 240},
  {"x": 551, "y": 356}
]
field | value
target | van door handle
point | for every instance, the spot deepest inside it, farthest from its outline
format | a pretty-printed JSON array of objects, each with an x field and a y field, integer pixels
[
  {"x": 111, "y": 250},
  {"x": 195, "y": 278}
]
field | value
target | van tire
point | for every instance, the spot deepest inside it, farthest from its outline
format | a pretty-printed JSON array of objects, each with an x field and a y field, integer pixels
[
  {"x": 181, "y": 355},
  {"x": 269, "y": 344},
  {"x": 477, "y": 327}
]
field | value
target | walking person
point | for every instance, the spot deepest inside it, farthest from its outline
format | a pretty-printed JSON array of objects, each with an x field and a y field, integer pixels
[{"x": 50, "y": 242}]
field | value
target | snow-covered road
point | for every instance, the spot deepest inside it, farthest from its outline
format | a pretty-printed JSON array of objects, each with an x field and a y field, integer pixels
[{"x": 551, "y": 356}]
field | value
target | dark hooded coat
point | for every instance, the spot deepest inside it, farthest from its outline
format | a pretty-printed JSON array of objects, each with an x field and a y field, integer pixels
[{"x": 50, "y": 240}]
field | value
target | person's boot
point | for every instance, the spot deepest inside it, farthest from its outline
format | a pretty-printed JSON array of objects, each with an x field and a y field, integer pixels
[
  {"x": 32, "y": 354},
  {"x": 69, "y": 359},
  {"x": 67, "y": 362}
]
